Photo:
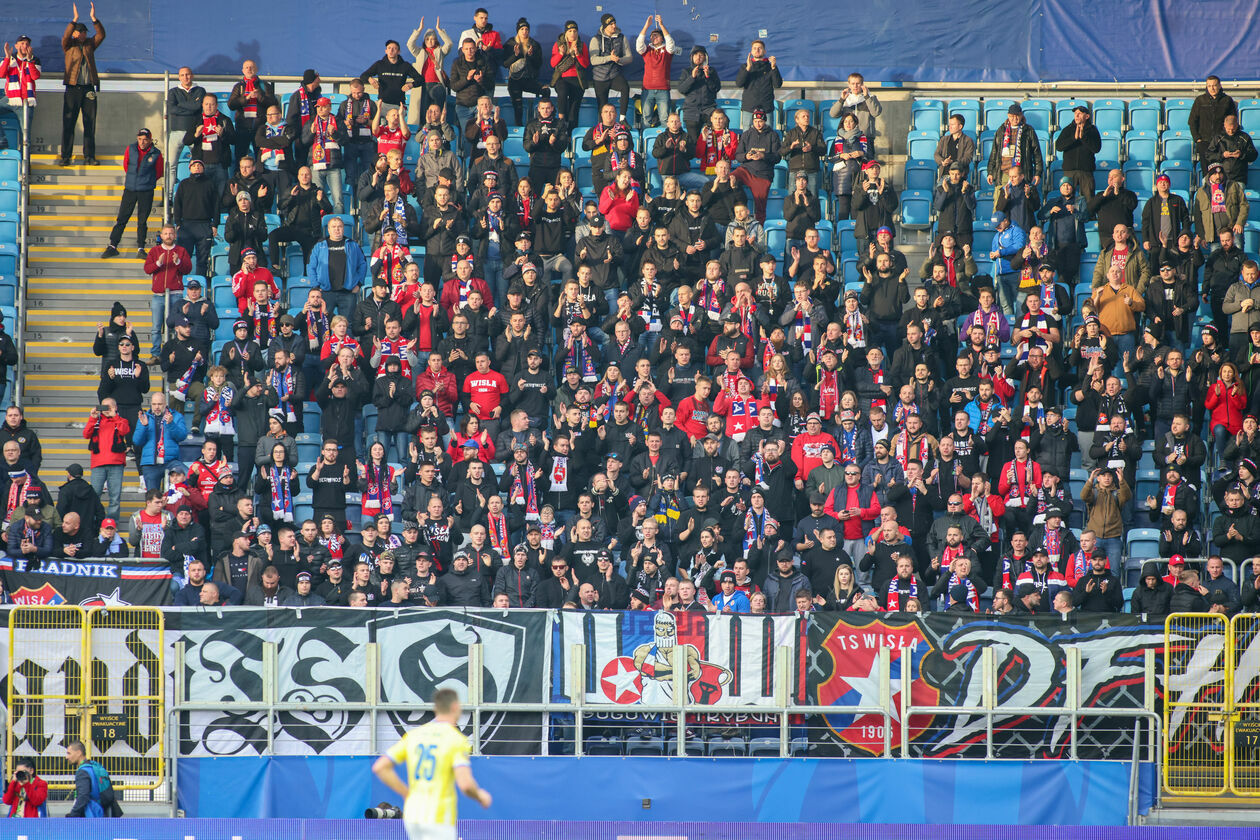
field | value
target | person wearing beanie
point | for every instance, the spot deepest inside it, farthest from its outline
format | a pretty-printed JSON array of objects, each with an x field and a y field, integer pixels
[
  {"x": 699, "y": 84},
  {"x": 570, "y": 66},
  {"x": 958, "y": 600},
  {"x": 610, "y": 51},
  {"x": 301, "y": 110},
  {"x": 1016, "y": 144},
  {"x": 522, "y": 55}
]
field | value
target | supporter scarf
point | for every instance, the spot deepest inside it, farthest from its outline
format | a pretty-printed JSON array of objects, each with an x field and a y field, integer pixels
[
  {"x": 316, "y": 327},
  {"x": 393, "y": 260},
  {"x": 759, "y": 469},
  {"x": 322, "y": 142},
  {"x": 1079, "y": 565},
  {"x": 755, "y": 525},
  {"x": 264, "y": 321},
  {"x": 973, "y": 597},
  {"x": 1028, "y": 274},
  {"x": 901, "y": 411},
  {"x": 525, "y": 204},
  {"x": 951, "y": 269},
  {"x": 1011, "y": 138},
  {"x": 580, "y": 359},
  {"x": 1050, "y": 299},
  {"x": 650, "y": 309},
  {"x": 1053, "y": 544},
  {"x": 524, "y": 491},
  {"x": 709, "y": 296},
  {"x": 219, "y": 416},
  {"x": 804, "y": 332},
  {"x": 209, "y": 130},
  {"x": 768, "y": 352},
  {"x": 848, "y": 446},
  {"x": 396, "y": 347},
  {"x": 304, "y": 105},
  {"x": 186, "y": 381},
  {"x": 281, "y": 493},
  {"x": 282, "y": 382},
  {"x": 496, "y": 524},
  {"x": 984, "y": 515},
  {"x": 855, "y": 328},
  {"x": 335, "y": 545},
  {"x": 1217, "y": 197},
  {"x": 18, "y": 481},
  {"x": 730, "y": 382},
  {"x": 398, "y": 221},
  {"x": 485, "y": 127},
  {"x": 378, "y": 479},
  {"x": 277, "y": 155},
  {"x": 894, "y": 592},
  {"x": 559, "y": 478},
  {"x": 1019, "y": 479},
  {"x": 1170, "y": 496},
  {"x": 668, "y": 509},
  {"x": 747, "y": 314},
  {"x": 548, "y": 531},
  {"x": 251, "y": 106}
]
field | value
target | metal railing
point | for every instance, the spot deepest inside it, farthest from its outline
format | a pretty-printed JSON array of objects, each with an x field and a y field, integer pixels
[
  {"x": 781, "y": 707},
  {"x": 24, "y": 223}
]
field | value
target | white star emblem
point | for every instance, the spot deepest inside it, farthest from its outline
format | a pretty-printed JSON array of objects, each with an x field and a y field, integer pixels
[
  {"x": 867, "y": 688},
  {"x": 621, "y": 682}
]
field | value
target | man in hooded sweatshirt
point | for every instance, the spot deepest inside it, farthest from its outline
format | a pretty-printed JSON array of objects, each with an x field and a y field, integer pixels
[{"x": 1153, "y": 594}]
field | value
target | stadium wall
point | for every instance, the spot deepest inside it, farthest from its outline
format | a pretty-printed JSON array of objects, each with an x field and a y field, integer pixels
[
  {"x": 970, "y": 41},
  {"x": 938, "y": 792}
]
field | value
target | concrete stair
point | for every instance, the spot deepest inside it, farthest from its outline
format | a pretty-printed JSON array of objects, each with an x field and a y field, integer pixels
[
  {"x": 1224, "y": 810},
  {"x": 70, "y": 292}
]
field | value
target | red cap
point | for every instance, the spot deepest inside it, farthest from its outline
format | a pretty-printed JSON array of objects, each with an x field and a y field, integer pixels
[
  {"x": 1176, "y": 560},
  {"x": 108, "y": 523},
  {"x": 323, "y": 100}
]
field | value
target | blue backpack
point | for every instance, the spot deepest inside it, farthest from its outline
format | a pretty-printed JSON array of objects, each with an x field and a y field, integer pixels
[{"x": 102, "y": 790}]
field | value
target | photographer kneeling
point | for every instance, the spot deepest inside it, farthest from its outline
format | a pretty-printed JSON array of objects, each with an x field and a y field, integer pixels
[{"x": 26, "y": 791}]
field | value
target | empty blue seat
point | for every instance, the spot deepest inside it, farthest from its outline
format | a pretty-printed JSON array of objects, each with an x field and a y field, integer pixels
[
  {"x": 1142, "y": 146},
  {"x": 927, "y": 115},
  {"x": 1179, "y": 174},
  {"x": 1108, "y": 115},
  {"x": 224, "y": 299},
  {"x": 1140, "y": 178},
  {"x": 1037, "y": 113},
  {"x": 920, "y": 175},
  {"x": 969, "y": 109},
  {"x": 1177, "y": 114},
  {"x": 1145, "y": 114},
  {"x": 649, "y": 138},
  {"x": 921, "y": 145},
  {"x": 986, "y": 147},
  {"x": 1110, "y": 144},
  {"x": 1249, "y": 114},
  {"x": 1177, "y": 144},
  {"x": 916, "y": 209}
]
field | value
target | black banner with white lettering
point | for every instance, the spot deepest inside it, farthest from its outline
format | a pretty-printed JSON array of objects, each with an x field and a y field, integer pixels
[{"x": 85, "y": 583}]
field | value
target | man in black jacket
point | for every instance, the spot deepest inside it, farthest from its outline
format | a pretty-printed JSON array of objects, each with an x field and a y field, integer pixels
[
  {"x": 1077, "y": 144},
  {"x": 195, "y": 212},
  {"x": 1233, "y": 149},
  {"x": 302, "y": 208},
  {"x": 546, "y": 139},
  {"x": 391, "y": 77},
  {"x": 758, "y": 76},
  {"x": 1113, "y": 206},
  {"x": 1100, "y": 590},
  {"x": 1207, "y": 115}
]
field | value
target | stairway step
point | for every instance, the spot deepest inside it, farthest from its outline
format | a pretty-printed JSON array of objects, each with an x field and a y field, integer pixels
[
  {"x": 98, "y": 235},
  {"x": 52, "y": 157},
  {"x": 81, "y": 221},
  {"x": 94, "y": 271},
  {"x": 77, "y": 176}
]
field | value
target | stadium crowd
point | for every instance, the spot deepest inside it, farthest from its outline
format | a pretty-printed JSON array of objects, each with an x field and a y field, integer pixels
[{"x": 623, "y": 397}]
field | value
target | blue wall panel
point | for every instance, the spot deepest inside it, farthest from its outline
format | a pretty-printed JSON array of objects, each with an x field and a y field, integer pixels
[{"x": 965, "y": 41}]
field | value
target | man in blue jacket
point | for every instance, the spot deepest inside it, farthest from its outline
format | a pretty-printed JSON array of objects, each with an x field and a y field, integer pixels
[
  {"x": 158, "y": 434},
  {"x": 142, "y": 165},
  {"x": 1008, "y": 242},
  {"x": 337, "y": 268},
  {"x": 30, "y": 537}
]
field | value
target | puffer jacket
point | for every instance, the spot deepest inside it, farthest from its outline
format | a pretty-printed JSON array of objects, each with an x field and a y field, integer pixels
[{"x": 517, "y": 584}]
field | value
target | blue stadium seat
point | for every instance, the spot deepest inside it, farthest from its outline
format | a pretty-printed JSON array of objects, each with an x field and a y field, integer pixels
[
  {"x": 224, "y": 299},
  {"x": 1249, "y": 114},
  {"x": 514, "y": 146},
  {"x": 1140, "y": 177},
  {"x": 927, "y": 115},
  {"x": 776, "y": 237},
  {"x": 1063, "y": 110},
  {"x": 601, "y": 745},
  {"x": 8, "y": 296},
  {"x": 830, "y": 125},
  {"x": 588, "y": 112},
  {"x": 1092, "y": 240},
  {"x": 921, "y": 145},
  {"x": 645, "y": 745},
  {"x": 1110, "y": 144},
  {"x": 1145, "y": 114},
  {"x": 411, "y": 152},
  {"x": 1109, "y": 115},
  {"x": 733, "y": 746},
  {"x": 847, "y": 238},
  {"x": 920, "y": 175},
  {"x": 1141, "y": 146},
  {"x": 763, "y": 748},
  {"x": 1177, "y": 114},
  {"x": 995, "y": 112},
  {"x": 969, "y": 109},
  {"x": 916, "y": 209},
  {"x": 1142, "y": 543},
  {"x": 1179, "y": 174},
  {"x": 346, "y": 218},
  {"x": 1177, "y": 144},
  {"x": 1147, "y": 483},
  {"x": 9, "y": 168},
  {"x": 791, "y": 106},
  {"x": 694, "y": 746},
  {"x": 1037, "y": 113},
  {"x": 649, "y": 138}
]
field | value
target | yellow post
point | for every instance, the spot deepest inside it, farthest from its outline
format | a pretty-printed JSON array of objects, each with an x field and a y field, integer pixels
[
  {"x": 47, "y": 689},
  {"x": 1244, "y": 779},
  {"x": 1197, "y": 666},
  {"x": 127, "y": 698}
]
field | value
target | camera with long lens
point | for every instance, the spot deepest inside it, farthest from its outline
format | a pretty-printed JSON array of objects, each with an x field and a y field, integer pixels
[
  {"x": 383, "y": 811},
  {"x": 22, "y": 777}
]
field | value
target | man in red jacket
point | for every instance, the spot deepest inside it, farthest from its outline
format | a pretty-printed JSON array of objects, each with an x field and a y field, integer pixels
[
  {"x": 166, "y": 264},
  {"x": 807, "y": 448},
  {"x": 694, "y": 411},
  {"x": 658, "y": 51},
  {"x": 108, "y": 435},
  {"x": 853, "y": 503},
  {"x": 440, "y": 382}
]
